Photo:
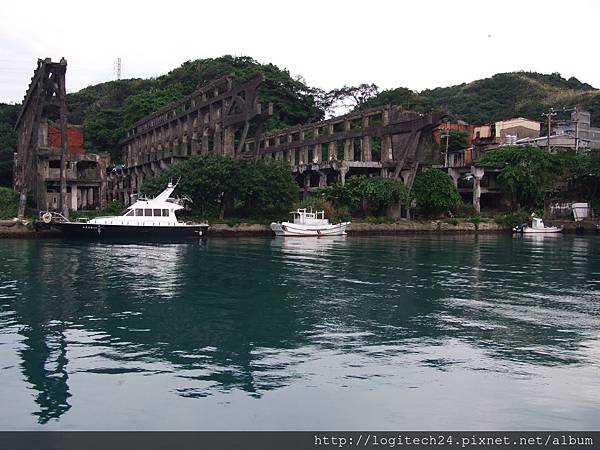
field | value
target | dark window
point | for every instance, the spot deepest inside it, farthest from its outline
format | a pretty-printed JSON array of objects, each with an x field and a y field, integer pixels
[
  {"x": 139, "y": 212},
  {"x": 147, "y": 212},
  {"x": 165, "y": 212},
  {"x": 157, "y": 213},
  {"x": 130, "y": 213}
]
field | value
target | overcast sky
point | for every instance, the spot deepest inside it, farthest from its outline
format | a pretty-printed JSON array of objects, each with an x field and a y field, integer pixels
[{"x": 417, "y": 44}]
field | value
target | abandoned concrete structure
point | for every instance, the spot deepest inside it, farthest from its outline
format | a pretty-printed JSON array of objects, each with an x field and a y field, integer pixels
[
  {"x": 85, "y": 172},
  {"x": 50, "y": 161},
  {"x": 217, "y": 118}
]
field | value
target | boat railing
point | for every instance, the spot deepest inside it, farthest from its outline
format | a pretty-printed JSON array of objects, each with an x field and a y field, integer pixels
[{"x": 52, "y": 216}]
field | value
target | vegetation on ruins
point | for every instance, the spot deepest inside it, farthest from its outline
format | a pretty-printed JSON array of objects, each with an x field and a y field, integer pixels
[
  {"x": 527, "y": 173},
  {"x": 434, "y": 192},
  {"x": 221, "y": 186},
  {"x": 365, "y": 195},
  {"x": 108, "y": 109}
]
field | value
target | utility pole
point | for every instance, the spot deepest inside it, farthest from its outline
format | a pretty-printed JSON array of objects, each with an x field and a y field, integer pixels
[{"x": 551, "y": 113}]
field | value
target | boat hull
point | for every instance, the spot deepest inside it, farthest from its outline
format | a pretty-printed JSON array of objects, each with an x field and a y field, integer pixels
[
  {"x": 98, "y": 231},
  {"x": 545, "y": 230},
  {"x": 291, "y": 229}
]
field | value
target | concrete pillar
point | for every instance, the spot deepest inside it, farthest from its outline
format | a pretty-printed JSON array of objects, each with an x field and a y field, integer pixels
[
  {"x": 454, "y": 174},
  {"x": 478, "y": 173},
  {"x": 228, "y": 141},
  {"x": 366, "y": 148},
  {"x": 304, "y": 156},
  {"x": 317, "y": 157},
  {"x": 405, "y": 174},
  {"x": 291, "y": 152},
  {"x": 218, "y": 140},
  {"x": 386, "y": 141},
  {"x": 204, "y": 141},
  {"x": 386, "y": 149},
  {"x": 306, "y": 185},
  {"x": 343, "y": 172},
  {"x": 322, "y": 179},
  {"x": 74, "y": 193},
  {"x": 90, "y": 197}
]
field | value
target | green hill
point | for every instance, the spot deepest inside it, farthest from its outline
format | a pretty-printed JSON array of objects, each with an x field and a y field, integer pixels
[
  {"x": 507, "y": 95},
  {"x": 500, "y": 97}
]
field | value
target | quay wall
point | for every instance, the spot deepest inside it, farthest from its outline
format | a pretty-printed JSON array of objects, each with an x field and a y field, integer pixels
[{"x": 356, "y": 228}]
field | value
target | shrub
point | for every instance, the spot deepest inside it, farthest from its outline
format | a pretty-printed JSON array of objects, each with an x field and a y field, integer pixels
[
  {"x": 513, "y": 219},
  {"x": 435, "y": 192},
  {"x": 9, "y": 203},
  {"x": 463, "y": 209}
]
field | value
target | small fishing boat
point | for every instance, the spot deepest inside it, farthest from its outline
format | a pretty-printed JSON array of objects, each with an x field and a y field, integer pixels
[
  {"x": 537, "y": 226},
  {"x": 146, "y": 218},
  {"x": 309, "y": 223}
]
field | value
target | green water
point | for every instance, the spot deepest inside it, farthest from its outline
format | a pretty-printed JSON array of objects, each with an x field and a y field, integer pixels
[{"x": 408, "y": 332}]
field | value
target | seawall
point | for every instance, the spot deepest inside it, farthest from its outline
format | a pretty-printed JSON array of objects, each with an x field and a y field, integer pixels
[{"x": 18, "y": 230}]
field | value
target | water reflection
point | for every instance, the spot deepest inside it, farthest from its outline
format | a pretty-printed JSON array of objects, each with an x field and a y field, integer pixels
[{"x": 258, "y": 315}]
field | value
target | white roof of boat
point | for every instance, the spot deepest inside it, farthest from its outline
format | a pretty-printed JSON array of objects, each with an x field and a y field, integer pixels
[{"x": 160, "y": 201}]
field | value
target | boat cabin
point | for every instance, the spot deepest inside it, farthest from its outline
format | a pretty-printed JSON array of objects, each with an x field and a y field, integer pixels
[
  {"x": 303, "y": 217},
  {"x": 159, "y": 211}
]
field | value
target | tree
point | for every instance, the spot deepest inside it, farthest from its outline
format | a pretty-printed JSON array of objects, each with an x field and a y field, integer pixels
[
  {"x": 220, "y": 185},
  {"x": 434, "y": 192},
  {"x": 457, "y": 141},
  {"x": 405, "y": 98},
  {"x": 374, "y": 194},
  {"x": 209, "y": 180},
  {"x": 9, "y": 200},
  {"x": 265, "y": 188},
  {"x": 8, "y": 142},
  {"x": 347, "y": 97},
  {"x": 526, "y": 173}
]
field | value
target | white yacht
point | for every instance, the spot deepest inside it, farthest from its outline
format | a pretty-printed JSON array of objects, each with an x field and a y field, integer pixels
[
  {"x": 145, "y": 218},
  {"x": 309, "y": 223}
]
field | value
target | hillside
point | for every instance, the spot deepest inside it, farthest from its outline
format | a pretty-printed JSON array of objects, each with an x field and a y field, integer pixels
[
  {"x": 507, "y": 95},
  {"x": 500, "y": 97},
  {"x": 107, "y": 109}
]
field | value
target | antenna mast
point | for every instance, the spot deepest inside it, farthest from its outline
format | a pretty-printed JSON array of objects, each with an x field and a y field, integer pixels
[{"x": 118, "y": 68}]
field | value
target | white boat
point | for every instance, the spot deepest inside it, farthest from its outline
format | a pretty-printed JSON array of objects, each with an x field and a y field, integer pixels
[
  {"x": 146, "y": 218},
  {"x": 537, "y": 226},
  {"x": 309, "y": 223}
]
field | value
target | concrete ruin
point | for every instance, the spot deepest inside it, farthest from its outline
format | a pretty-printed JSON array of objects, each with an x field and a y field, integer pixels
[
  {"x": 217, "y": 118},
  {"x": 50, "y": 161}
]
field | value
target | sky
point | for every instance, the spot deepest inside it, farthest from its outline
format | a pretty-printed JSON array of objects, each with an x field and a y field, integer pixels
[{"x": 330, "y": 43}]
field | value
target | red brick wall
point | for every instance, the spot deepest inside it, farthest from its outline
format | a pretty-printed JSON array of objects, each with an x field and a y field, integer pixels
[{"x": 74, "y": 139}]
